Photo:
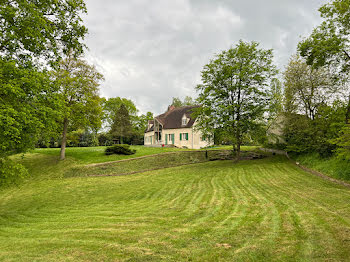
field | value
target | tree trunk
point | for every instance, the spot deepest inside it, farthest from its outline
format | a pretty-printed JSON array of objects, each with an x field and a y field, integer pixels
[
  {"x": 64, "y": 139},
  {"x": 238, "y": 144}
]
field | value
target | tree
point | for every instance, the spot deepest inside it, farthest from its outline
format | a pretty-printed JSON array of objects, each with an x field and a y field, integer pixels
[
  {"x": 142, "y": 121},
  {"x": 234, "y": 91},
  {"x": 307, "y": 88},
  {"x": 188, "y": 101},
  {"x": 121, "y": 126},
  {"x": 43, "y": 29},
  {"x": 112, "y": 105},
  {"x": 176, "y": 102},
  {"x": 78, "y": 83},
  {"x": 329, "y": 43}
]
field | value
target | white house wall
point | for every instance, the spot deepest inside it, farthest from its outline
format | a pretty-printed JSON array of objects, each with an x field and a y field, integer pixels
[
  {"x": 193, "y": 142},
  {"x": 149, "y": 138}
]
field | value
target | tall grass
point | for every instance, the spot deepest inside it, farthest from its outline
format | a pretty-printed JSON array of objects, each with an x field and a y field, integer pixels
[{"x": 332, "y": 166}]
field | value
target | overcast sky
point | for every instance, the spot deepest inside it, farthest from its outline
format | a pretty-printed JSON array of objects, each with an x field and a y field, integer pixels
[{"x": 152, "y": 50}]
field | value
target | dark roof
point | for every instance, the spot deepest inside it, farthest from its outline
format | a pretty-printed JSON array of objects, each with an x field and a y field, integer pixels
[{"x": 173, "y": 118}]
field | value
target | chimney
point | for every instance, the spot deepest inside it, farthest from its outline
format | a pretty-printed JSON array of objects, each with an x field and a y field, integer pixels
[{"x": 171, "y": 107}]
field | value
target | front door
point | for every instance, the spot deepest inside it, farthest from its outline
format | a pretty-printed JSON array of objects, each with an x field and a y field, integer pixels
[{"x": 170, "y": 139}]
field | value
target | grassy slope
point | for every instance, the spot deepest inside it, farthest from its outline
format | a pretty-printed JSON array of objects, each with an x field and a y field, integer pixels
[
  {"x": 263, "y": 210},
  {"x": 88, "y": 155},
  {"x": 333, "y": 167}
]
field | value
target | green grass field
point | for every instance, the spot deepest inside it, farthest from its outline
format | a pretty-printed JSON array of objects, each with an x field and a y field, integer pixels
[{"x": 257, "y": 210}]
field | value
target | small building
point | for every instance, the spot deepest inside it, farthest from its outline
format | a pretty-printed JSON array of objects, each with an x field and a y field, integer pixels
[{"x": 175, "y": 127}]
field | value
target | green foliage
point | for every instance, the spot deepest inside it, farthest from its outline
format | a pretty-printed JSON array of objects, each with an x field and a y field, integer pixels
[
  {"x": 29, "y": 107},
  {"x": 176, "y": 102},
  {"x": 307, "y": 88},
  {"x": 188, "y": 101},
  {"x": 122, "y": 126},
  {"x": 34, "y": 35},
  {"x": 343, "y": 143},
  {"x": 105, "y": 139},
  {"x": 329, "y": 42},
  {"x": 112, "y": 105},
  {"x": 82, "y": 138},
  {"x": 11, "y": 172},
  {"x": 120, "y": 149},
  {"x": 78, "y": 84},
  {"x": 304, "y": 135},
  {"x": 42, "y": 29},
  {"x": 332, "y": 166},
  {"x": 235, "y": 91},
  {"x": 142, "y": 121}
]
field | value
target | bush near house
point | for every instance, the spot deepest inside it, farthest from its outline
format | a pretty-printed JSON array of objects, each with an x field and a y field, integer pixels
[{"x": 121, "y": 149}]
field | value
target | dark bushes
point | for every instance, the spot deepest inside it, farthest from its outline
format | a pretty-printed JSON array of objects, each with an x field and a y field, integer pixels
[{"x": 119, "y": 150}]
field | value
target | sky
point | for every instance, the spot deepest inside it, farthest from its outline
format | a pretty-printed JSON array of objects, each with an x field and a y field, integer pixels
[{"x": 150, "y": 51}]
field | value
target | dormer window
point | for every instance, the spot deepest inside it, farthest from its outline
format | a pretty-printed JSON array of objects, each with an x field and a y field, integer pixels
[{"x": 184, "y": 120}]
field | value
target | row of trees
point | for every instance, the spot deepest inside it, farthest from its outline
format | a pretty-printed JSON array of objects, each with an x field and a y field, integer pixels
[{"x": 242, "y": 98}]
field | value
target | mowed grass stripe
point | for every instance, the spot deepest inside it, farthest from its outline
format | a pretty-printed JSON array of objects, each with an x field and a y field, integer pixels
[{"x": 263, "y": 210}]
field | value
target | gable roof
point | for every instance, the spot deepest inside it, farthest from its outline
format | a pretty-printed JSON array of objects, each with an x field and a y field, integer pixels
[{"x": 172, "y": 119}]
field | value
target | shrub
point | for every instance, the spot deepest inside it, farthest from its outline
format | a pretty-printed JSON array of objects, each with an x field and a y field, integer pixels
[
  {"x": 119, "y": 150},
  {"x": 11, "y": 172}
]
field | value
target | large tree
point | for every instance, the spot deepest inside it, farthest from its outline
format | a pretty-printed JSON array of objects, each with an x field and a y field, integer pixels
[
  {"x": 78, "y": 82},
  {"x": 234, "y": 93}
]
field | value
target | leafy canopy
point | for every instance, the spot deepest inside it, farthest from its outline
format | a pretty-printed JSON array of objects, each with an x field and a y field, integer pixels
[
  {"x": 235, "y": 90},
  {"x": 78, "y": 84},
  {"x": 29, "y": 108},
  {"x": 43, "y": 29}
]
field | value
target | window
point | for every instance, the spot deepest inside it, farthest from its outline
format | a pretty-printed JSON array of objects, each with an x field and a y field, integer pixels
[
  {"x": 183, "y": 136},
  {"x": 169, "y": 139},
  {"x": 184, "y": 121}
]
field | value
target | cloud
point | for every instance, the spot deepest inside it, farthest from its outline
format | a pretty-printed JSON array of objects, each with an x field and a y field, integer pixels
[{"x": 151, "y": 51}]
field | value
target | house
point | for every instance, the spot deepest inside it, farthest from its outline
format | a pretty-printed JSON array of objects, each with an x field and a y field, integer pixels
[{"x": 175, "y": 127}]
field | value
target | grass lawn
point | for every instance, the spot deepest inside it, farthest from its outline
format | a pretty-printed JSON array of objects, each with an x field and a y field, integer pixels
[{"x": 258, "y": 210}]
